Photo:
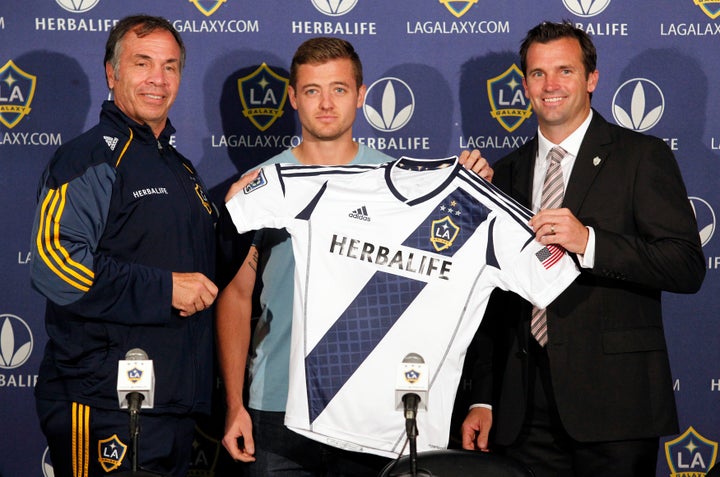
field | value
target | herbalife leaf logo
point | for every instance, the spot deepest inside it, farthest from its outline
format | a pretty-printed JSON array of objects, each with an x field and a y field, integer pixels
[
  {"x": 705, "y": 216},
  {"x": 78, "y": 6},
  {"x": 586, "y": 8},
  {"x": 334, "y": 8},
  {"x": 16, "y": 342},
  {"x": 638, "y": 104},
  {"x": 389, "y": 104}
]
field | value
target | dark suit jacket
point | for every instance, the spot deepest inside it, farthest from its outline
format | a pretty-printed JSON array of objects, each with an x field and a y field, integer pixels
[{"x": 607, "y": 349}]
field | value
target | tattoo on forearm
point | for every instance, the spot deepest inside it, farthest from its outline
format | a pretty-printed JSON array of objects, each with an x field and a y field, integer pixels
[{"x": 253, "y": 260}]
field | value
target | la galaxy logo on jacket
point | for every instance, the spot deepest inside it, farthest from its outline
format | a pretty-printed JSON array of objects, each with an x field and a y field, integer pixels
[{"x": 111, "y": 452}]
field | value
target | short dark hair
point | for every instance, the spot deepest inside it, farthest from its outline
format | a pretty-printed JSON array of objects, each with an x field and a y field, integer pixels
[
  {"x": 321, "y": 50},
  {"x": 142, "y": 25},
  {"x": 549, "y": 31}
]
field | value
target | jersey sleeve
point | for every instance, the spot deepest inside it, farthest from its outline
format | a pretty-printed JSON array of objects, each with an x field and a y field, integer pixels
[
  {"x": 69, "y": 269},
  {"x": 280, "y": 194},
  {"x": 537, "y": 272}
]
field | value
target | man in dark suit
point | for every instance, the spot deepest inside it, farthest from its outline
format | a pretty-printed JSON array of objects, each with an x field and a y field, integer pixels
[{"x": 588, "y": 391}]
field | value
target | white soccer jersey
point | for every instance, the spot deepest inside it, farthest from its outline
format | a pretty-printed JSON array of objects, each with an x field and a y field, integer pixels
[{"x": 391, "y": 259}]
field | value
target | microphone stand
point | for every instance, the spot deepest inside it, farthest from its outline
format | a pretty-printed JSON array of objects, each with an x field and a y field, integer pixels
[
  {"x": 134, "y": 402},
  {"x": 134, "y": 433},
  {"x": 411, "y": 429},
  {"x": 411, "y": 404}
]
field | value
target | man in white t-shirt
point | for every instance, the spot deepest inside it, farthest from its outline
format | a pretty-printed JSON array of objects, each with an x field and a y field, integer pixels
[{"x": 326, "y": 88}]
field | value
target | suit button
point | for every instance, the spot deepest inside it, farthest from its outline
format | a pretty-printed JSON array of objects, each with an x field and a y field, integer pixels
[{"x": 522, "y": 354}]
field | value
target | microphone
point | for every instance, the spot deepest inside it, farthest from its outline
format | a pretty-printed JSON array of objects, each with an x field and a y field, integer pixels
[
  {"x": 136, "y": 381},
  {"x": 411, "y": 394},
  {"x": 411, "y": 387},
  {"x": 136, "y": 389}
]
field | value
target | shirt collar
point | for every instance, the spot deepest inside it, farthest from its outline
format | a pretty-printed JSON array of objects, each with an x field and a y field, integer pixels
[{"x": 571, "y": 144}]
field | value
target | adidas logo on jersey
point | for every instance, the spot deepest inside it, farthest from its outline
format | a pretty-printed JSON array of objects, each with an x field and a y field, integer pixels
[
  {"x": 111, "y": 142},
  {"x": 360, "y": 214}
]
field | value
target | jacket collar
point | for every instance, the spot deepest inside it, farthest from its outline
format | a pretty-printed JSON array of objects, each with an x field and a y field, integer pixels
[{"x": 142, "y": 132}]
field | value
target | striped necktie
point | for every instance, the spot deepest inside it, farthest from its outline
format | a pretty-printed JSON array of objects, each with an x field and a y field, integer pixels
[{"x": 552, "y": 196}]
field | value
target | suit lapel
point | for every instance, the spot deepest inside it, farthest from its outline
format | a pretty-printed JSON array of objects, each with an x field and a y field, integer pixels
[{"x": 591, "y": 158}]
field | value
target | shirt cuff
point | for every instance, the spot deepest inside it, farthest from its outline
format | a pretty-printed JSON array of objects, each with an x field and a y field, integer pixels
[
  {"x": 587, "y": 259},
  {"x": 486, "y": 406}
]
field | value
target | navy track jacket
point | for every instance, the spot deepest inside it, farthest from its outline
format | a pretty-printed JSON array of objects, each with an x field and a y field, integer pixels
[{"x": 118, "y": 212}]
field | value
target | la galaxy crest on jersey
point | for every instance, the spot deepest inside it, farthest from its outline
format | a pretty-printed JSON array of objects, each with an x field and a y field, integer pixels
[{"x": 444, "y": 232}]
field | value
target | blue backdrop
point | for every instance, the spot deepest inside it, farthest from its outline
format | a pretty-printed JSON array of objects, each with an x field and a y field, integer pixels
[{"x": 442, "y": 76}]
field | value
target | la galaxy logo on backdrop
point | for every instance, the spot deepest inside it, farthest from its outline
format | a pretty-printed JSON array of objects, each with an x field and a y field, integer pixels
[
  {"x": 458, "y": 7},
  {"x": 508, "y": 104},
  {"x": 690, "y": 454},
  {"x": 207, "y": 7},
  {"x": 263, "y": 94},
  {"x": 17, "y": 89},
  {"x": 710, "y": 7}
]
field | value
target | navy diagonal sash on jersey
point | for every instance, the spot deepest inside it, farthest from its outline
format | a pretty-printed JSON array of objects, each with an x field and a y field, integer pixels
[{"x": 382, "y": 301}]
